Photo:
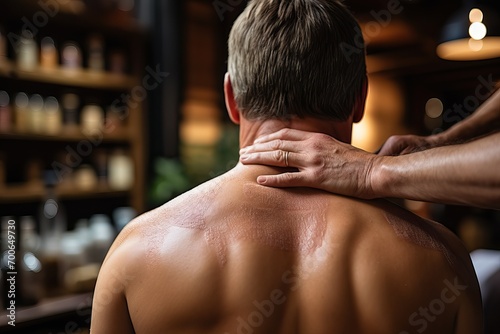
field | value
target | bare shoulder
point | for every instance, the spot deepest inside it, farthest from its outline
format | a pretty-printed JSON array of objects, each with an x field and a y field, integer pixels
[
  {"x": 158, "y": 233},
  {"x": 152, "y": 229},
  {"x": 430, "y": 236},
  {"x": 435, "y": 261},
  {"x": 401, "y": 264},
  {"x": 163, "y": 256}
]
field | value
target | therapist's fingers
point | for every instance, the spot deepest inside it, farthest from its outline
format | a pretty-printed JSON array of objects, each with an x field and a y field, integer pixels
[
  {"x": 277, "y": 158},
  {"x": 400, "y": 145},
  {"x": 298, "y": 179},
  {"x": 308, "y": 151},
  {"x": 393, "y": 146},
  {"x": 284, "y": 139},
  {"x": 321, "y": 161},
  {"x": 271, "y": 146},
  {"x": 277, "y": 147},
  {"x": 284, "y": 134}
]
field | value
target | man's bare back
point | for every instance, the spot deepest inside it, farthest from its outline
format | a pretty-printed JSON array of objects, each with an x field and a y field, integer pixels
[{"x": 231, "y": 256}]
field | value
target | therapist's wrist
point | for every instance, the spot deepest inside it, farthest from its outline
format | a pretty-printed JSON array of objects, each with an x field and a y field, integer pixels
[
  {"x": 459, "y": 133},
  {"x": 442, "y": 139},
  {"x": 380, "y": 177}
]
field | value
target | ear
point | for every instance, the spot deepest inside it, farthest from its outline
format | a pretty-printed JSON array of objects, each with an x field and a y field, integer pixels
[
  {"x": 232, "y": 109},
  {"x": 359, "y": 109}
]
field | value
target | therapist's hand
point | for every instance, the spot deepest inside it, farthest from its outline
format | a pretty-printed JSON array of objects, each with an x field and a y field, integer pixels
[
  {"x": 400, "y": 145},
  {"x": 322, "y": 162}
]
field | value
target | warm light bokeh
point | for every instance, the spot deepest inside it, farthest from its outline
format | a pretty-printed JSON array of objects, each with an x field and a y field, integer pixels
[{"x": 383, "y": 114}]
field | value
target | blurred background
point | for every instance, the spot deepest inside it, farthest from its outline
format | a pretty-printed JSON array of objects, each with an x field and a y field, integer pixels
[{"x": 109, "y": 108}]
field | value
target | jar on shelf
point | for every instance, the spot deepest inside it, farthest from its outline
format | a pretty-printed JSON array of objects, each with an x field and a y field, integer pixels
[
  {"x": 27, "y": 52},
  {"x": 72, "y": 254},
  {"x": 71, "y": 58},
  {"x": 53, "y": 116},
  {"x": 102, "y": 235},
  {"x": 48, "y": 56},
  {"x": 101, "y": 164},
  {"x": 36, "y": 115},
  {"x": 92, "y": 119},
  {"x": 82, "y": 231},
  {"x": 85, "y": 178},
  {"x": 120, "y": 170},
  {"x": 70, "y": 105},
  {"x": 96, "y": 53}
]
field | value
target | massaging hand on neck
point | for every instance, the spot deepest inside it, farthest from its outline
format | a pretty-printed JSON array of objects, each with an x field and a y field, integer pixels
[{"x": 455, "y": 174}]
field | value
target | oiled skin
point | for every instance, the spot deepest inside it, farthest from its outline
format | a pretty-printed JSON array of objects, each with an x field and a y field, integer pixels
[{"x": 164, "y": 275}]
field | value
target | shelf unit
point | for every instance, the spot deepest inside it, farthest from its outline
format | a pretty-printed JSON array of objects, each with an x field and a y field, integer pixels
[
  {"x": 106, "y": 85},
  {"x": 29, "y": 193},
  {"x": 74, "y": 78},
  {"x": 20, "y": 193},
  {"x": 116, "y": 136},
  {"x": 51, "y": 316}
]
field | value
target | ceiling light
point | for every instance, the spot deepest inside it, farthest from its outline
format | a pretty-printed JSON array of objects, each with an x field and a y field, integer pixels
[{"x": 472, "y": 33}]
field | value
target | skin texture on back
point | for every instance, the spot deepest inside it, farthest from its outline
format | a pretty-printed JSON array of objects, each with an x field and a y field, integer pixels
[{"x": 231, "y": 256}]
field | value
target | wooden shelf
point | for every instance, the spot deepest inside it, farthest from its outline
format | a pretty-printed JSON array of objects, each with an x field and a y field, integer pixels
[
  {"x": 29, "y": 193},
  {"x": 80, "y": 18},
  {"x": 120, "y": 31},
  {"x": 81, "y": 78},
  {"x": 49, "y": 308},
  {"x": 116, "y": 136}
]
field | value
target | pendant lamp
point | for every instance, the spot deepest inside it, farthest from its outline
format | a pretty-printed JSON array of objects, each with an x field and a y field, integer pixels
[{"x": 472, "y": 33}]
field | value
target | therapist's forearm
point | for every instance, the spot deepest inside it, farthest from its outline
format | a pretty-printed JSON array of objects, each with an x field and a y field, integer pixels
[
  {"x": 467, "y": 174},
  {"x": 484, "y": 120}
]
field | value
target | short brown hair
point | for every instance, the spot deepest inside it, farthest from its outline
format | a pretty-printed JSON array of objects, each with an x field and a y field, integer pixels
[{"x": 286, "y": 59}]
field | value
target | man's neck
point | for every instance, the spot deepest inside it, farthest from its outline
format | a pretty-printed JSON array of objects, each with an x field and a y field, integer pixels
[{"x": 251, "y": 130}]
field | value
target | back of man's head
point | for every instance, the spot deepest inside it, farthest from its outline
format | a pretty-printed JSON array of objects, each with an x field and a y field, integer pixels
[{"x": 287, "y": 58}]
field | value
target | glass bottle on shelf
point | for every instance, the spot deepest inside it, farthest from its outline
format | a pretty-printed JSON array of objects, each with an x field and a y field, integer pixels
[
  {"x": 53, "y": 116},
  {"x": 48, "y": 55},
  {"x": 71, "y": 56},
  {"x": 52, "y": 227},
  {"x": 30, "y": 265},
  {"x": 96, "y": 53},
  {"x": 101, "y": 164},
  {"x": 35, "y": 108},
  {"x": 83, "y": 233},
  {"x": 5, "y": 112},
  {"x": 120, "y": 170},
  {"x": 102, "y": 235},
  {"x": 70, "y": 104},
  {"x": 92, "y": 119},
  {"x": 73, "y": 256},
  {"x": 85, "y": 178},
  {"x": 27, "y": 52}
]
